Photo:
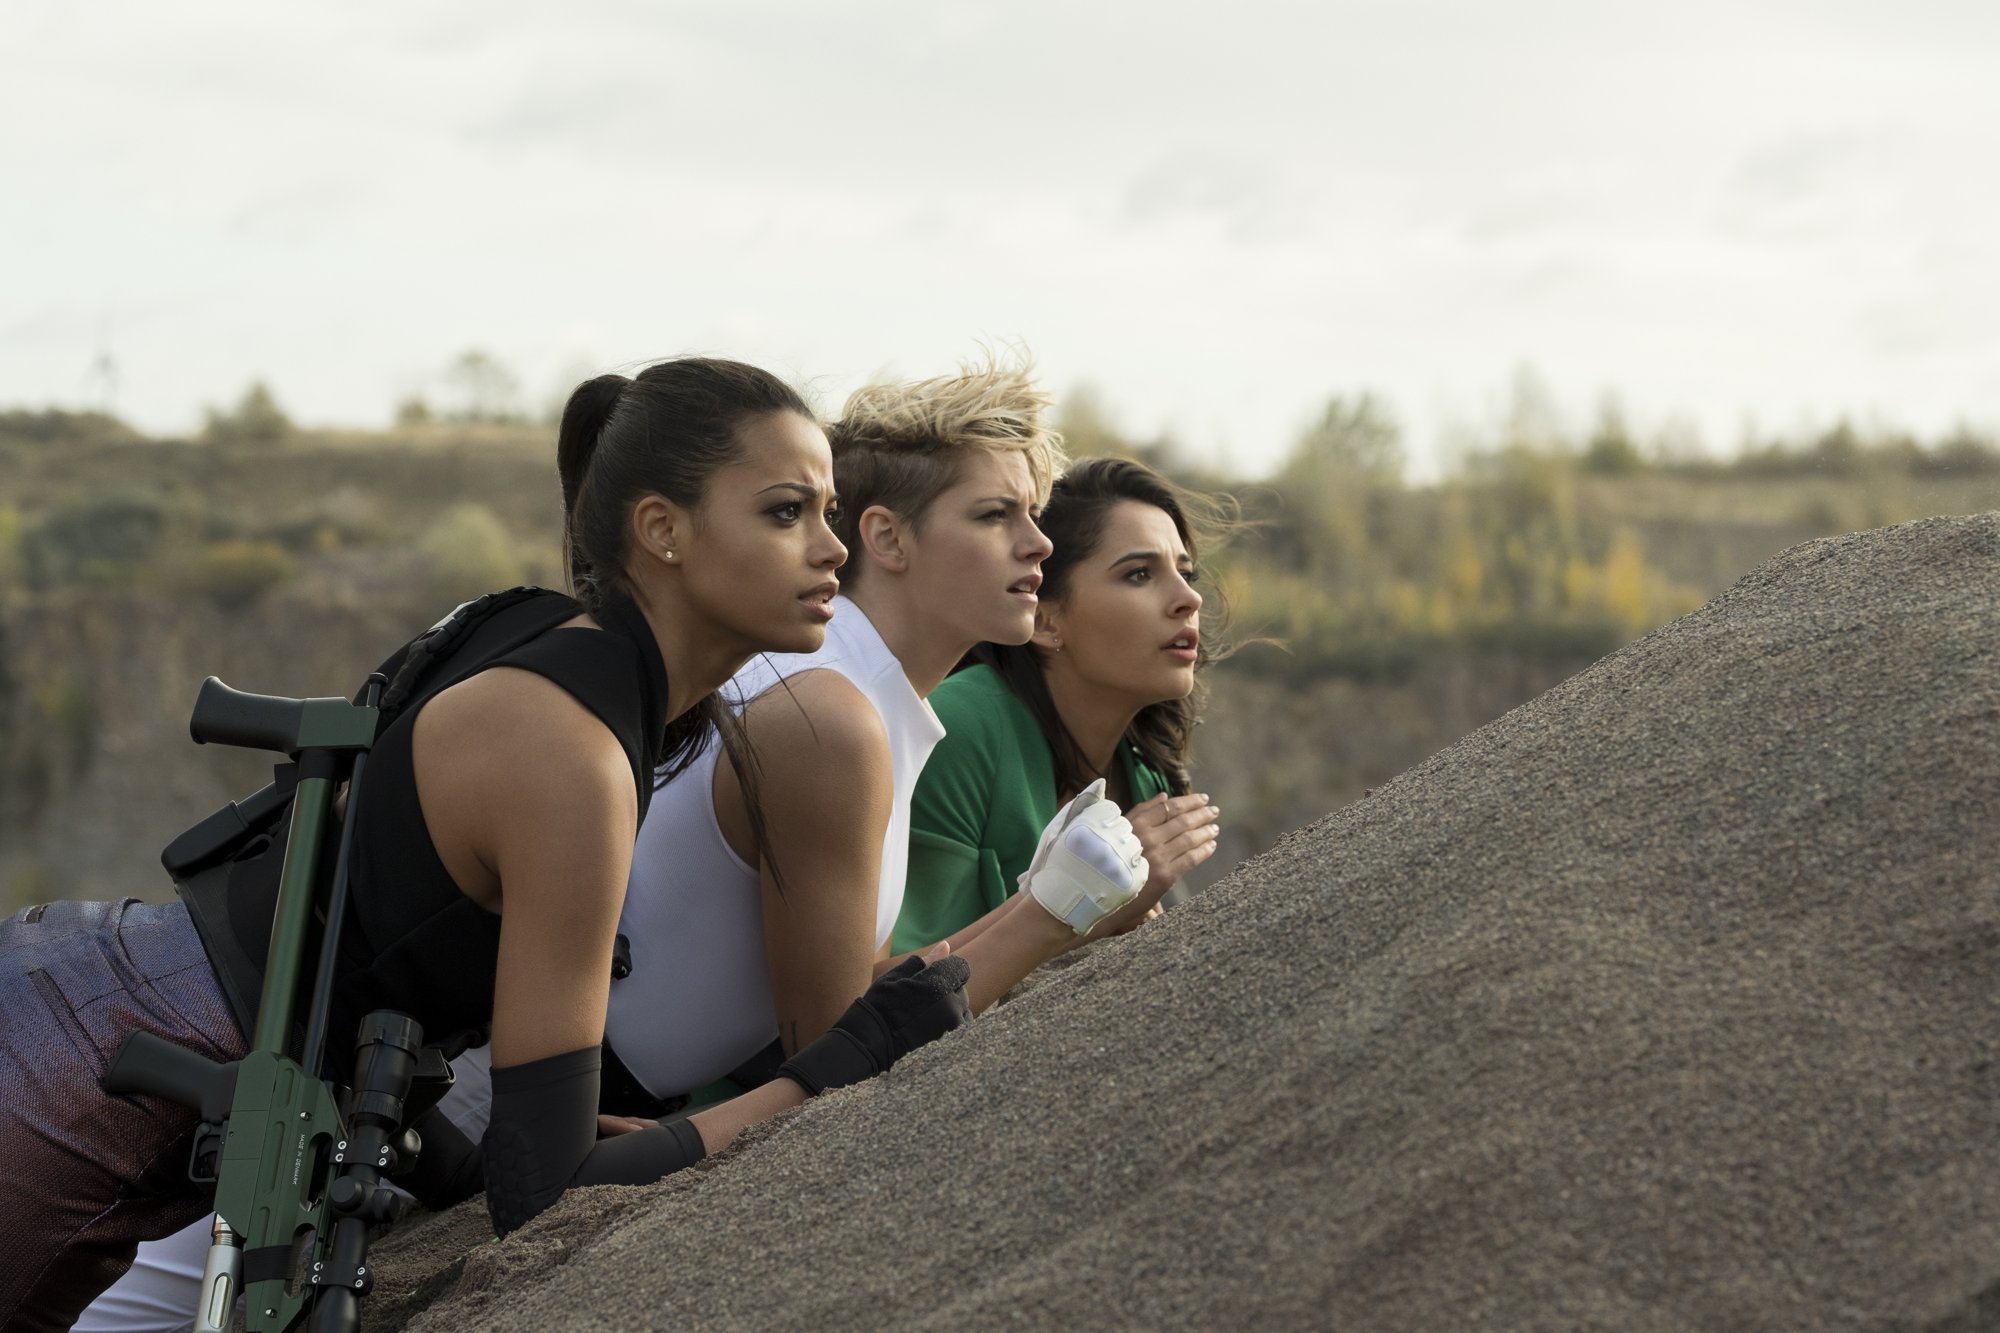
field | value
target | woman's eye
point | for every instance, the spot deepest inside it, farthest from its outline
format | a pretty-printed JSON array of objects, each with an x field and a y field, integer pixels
[
  {"x": 832, "y": 515},
  {"x": 788, "y": 513},
  {"x": 1191, "y": 576},
  {"x": 1139, "y": 575},
  {"x": 991, "y": 515}
]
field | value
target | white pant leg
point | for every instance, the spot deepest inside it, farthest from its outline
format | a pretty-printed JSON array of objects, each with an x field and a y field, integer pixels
[
  {"x": 161, "y": 1292},
  {"x": 469, "y": 1104}
]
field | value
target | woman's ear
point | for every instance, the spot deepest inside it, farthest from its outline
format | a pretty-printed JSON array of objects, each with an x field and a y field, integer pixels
[
  {"x": 661, "y": 529},
  {"x": 1048, "y": 628},
  {"x": 885, "y": 537}
]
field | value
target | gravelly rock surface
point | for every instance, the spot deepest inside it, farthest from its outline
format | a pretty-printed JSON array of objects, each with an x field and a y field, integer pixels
[{"x": 1666, "y": 1001}]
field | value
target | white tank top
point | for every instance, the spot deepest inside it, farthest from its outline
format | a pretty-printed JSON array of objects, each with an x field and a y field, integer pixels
[{"x": 698, "y": 1002}]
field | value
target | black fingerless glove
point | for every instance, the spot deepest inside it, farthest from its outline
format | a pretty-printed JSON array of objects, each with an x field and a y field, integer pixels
[{"x": 907, "y": 1006}]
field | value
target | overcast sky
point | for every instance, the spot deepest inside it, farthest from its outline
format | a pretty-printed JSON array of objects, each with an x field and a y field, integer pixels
[{"x": 1218, "y": 213}]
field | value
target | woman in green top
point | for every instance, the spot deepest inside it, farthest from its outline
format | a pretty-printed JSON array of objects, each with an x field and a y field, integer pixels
[{"x": 1107, "y": 688}]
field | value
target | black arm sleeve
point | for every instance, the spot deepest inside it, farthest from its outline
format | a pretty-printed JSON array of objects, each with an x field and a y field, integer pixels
[{"x": 543, "y": 1139}]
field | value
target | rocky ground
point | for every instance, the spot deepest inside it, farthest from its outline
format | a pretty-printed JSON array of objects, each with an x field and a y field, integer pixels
[{"x": 1666, "y": 1001}]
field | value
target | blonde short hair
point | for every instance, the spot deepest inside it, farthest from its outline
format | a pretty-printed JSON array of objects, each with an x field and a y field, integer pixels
[{"x": 902, "y": 445}]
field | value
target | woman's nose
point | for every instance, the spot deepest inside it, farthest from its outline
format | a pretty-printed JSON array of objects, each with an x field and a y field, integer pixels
[{"x": 833, "y": 553}]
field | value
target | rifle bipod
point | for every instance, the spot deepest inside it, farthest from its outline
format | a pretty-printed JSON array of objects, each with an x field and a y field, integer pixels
[{"x": 298, "y": 1176}]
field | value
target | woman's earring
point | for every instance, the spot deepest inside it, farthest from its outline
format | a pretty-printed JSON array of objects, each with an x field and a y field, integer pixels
[{"x": 669, "y": 554}]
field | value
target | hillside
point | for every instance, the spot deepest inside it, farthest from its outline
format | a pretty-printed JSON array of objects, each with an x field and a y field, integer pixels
[
  {"x": 1664, "y": 1001},
  {"x": 130, "y": 569}
]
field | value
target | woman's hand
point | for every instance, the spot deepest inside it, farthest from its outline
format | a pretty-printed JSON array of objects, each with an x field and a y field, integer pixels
[
  {"x": 1089, "y": 863},
  {"x": 917, "y": 1001},
  {"x": 1178, "y": 833},
  {"x": 611, "y": 1126}
]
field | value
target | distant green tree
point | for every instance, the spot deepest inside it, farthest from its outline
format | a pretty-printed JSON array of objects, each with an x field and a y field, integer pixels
[
  {"x": 1677, "y": 443},
  {"x": 1087, "y": 428},
  {"x": 1352, "y": 439},
  {"x": 1611, "y": 450},
  {"x": 236, "y": 571},
  {"x": 1840, "y": 449},
  {"x": 1897, "y": 451},
  {"x": 11, "y": 529},
  {"x": 467, "y": 551},
  {"x": 1089, "y": 431},
  {"x": 1534, "y": 421},
  {"x": 55, "y": 425},
  {"x": 103, "y": 539},
  {"x": 484, "y": 390},
  {"x": 1963, "y": 453},
  {"x": 256, "y": 420},
  {"x": 1333, "y": 488},
  {"x": 414, "y": 411}
]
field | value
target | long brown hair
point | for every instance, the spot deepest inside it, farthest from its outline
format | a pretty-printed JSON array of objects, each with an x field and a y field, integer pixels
[{"x": 1079, "y": 504}]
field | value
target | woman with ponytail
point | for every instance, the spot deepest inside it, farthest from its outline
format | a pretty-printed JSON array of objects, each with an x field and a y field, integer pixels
[
  {"x": 491, "y": 848},
  {"x": 1108, "y": 689}
]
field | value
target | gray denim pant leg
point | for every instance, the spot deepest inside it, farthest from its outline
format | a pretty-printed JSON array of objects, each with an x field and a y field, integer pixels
[{"x": 85, "y": 1176}]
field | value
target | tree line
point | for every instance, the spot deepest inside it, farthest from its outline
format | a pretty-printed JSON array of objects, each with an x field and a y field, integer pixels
[{"x": 1536, "y": 541}]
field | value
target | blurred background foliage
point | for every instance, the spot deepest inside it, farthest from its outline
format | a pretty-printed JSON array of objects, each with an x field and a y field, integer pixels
[
  {"x": 1535, "y": 543},
  {"x": 1395, "y": 614}
]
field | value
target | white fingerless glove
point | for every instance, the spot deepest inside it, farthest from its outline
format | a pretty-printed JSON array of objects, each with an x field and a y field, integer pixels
[{"x": 1088, "y": 863}]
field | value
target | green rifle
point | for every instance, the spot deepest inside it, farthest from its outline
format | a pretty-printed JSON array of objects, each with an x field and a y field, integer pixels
[{"x": 298, "y": 1171}]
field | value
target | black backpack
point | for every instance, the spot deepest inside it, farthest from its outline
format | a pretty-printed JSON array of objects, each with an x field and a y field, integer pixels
[{"x": 227, "y": 867}]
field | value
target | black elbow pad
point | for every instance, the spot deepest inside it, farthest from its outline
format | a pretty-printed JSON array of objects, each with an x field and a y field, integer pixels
[{"x": 544, "y": 1123}]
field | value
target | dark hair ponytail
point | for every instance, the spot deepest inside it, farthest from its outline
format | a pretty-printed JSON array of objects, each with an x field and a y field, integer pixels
[
  {"x": 584, "y": 417},
  {"x": 1079, "y": 504}
]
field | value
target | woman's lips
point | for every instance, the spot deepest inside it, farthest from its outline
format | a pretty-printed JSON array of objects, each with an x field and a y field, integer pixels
[{"x": 819, "y": 601}]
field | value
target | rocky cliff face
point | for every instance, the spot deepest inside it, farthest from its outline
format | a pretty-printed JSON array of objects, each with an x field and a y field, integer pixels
[
  {"x": 95, "y": 691},
  {"x": 1665, "y": 1001},
  {"x": 142, "y": 567}
]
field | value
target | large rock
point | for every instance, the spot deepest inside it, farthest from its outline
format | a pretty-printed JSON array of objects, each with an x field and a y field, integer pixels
[{"x": 1665, "y": 1001}]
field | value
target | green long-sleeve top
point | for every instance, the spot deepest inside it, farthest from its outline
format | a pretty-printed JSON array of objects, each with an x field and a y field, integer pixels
[{"x": 987, "y": 792}]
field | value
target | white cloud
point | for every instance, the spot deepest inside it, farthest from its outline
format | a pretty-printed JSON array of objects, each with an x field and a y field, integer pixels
[{"x": 1218, "y": 215}]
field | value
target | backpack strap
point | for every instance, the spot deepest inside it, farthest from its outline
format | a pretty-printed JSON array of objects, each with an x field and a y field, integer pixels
[{"x": 408, "y": 668}]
